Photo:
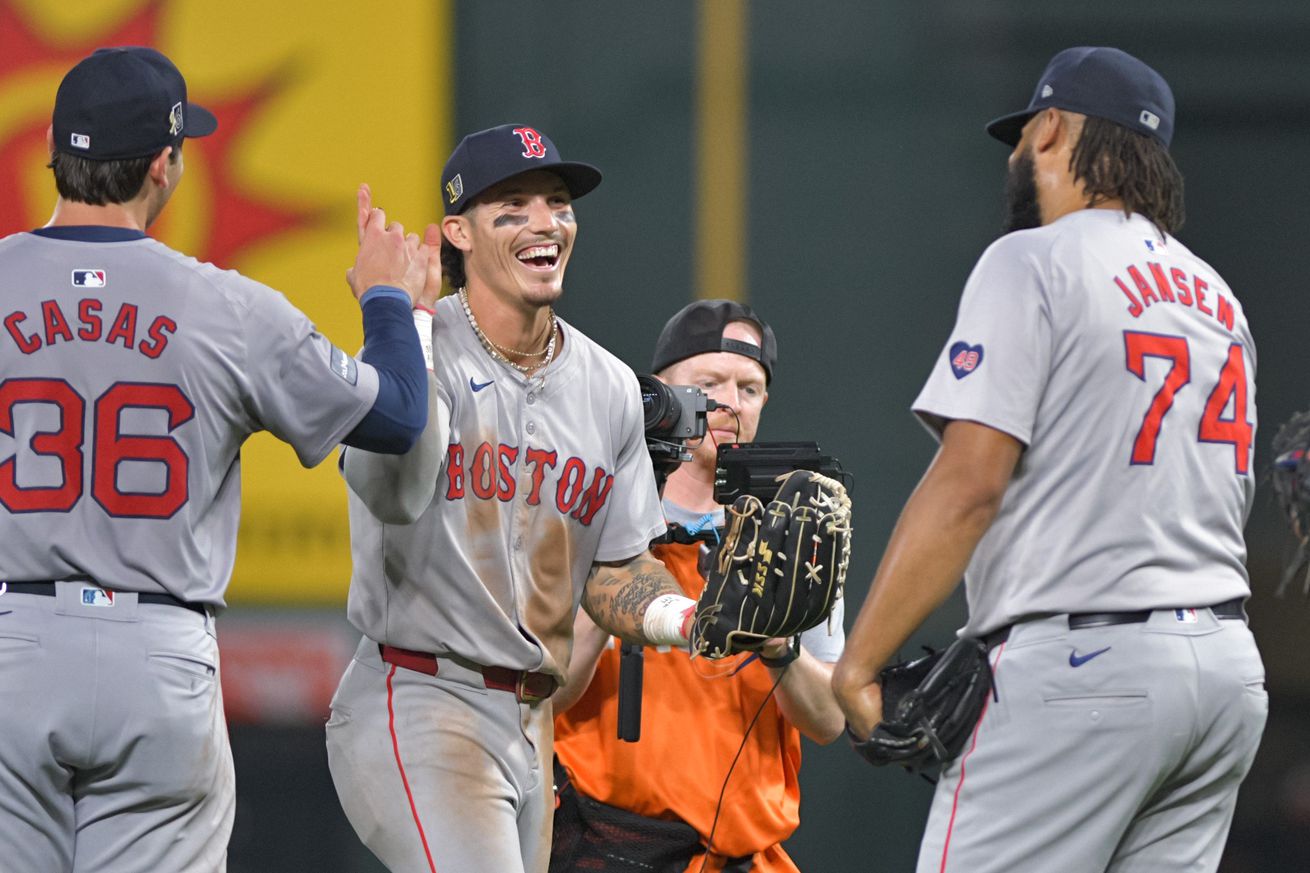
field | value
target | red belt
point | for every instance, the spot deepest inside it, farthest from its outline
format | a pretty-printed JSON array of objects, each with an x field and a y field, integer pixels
[{"x": 528, "y": 687}]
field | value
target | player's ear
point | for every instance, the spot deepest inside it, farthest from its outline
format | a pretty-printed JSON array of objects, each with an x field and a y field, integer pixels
[
  {"x": 455, "y": 229},
  {"x": 50, "y": 140},
  {"x": 158, "y": 171},
  {"x": 1050, "y": 127}
]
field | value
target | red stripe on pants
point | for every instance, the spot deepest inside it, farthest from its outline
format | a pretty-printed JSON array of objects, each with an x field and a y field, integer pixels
[
  {"x": 395, "y": 747},
  {"x": 955, "y": 804}
]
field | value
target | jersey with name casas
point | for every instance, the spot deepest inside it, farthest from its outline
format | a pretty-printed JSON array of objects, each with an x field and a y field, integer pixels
[
  {"x": 541, "y": 478},
  {"x": 130, "y": 376},
  {"x": 1125, "y": 365}
]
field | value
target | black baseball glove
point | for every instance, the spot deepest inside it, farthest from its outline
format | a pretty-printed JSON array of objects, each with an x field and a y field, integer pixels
[
  {"x": 1290, "y": 476},
  {"x": 929, "y": 707},
  {"x": 778, "y": 570}
]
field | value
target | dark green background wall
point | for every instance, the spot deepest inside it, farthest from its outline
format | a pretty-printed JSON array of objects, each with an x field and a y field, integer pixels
[{"x": 872, "y": 191}]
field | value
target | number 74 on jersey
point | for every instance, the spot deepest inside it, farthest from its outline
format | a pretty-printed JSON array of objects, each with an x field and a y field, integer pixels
[{"x": 1229, "y": 389}]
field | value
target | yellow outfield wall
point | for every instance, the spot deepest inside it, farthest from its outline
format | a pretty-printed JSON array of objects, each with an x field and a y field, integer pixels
[{"x": 311, "y": 101}]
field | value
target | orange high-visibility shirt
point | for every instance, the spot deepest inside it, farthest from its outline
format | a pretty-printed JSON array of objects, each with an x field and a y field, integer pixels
[{"x": 693, "y": 718}]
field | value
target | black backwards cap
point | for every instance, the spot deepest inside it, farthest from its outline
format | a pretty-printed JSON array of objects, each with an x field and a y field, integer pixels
[
  {"x": 488, "y": 157},
  {"x": 698, "y": 328},
  {"x": 125, "y": 102},
  {"x": 1101, "y": 82}
]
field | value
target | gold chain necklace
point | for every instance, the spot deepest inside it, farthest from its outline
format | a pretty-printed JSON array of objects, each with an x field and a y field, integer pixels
[
  {"x": 502, "y": 355},
  {"x": 506, "y": 350}
]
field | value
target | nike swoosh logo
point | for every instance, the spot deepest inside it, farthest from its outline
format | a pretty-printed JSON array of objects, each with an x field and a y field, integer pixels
[
  {"x": 1077, "y": 660},
  {"x": 478, "y": 387},
  {"x": 6, "y": 612}
]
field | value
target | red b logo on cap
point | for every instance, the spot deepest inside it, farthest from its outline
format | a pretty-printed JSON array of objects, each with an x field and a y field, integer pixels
[{"x": 533, "y": 147}]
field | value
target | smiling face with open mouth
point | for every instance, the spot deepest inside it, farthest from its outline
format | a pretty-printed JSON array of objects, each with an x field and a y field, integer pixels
[{"x": 520, "y": 234}]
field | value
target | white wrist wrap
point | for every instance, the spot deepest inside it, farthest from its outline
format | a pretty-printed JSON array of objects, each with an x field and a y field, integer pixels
[
  {"x": 664, "y": 619},
  {"x": 423, "y": 324}
]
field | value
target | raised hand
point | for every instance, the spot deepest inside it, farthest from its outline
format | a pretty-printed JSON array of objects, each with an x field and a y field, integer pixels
[
  {"x": 432, "y": 277},
  {"x": 386, "y": 255}
]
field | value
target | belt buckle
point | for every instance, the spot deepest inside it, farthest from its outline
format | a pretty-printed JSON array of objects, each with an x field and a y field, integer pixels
[{"x": 528, "y": 695}]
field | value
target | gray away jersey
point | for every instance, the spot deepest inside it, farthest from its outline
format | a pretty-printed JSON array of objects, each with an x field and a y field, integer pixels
[
  {"x": 130, "y": 376},
  {"x": 1125, "y": 365},
  {"x": 540, "y": 480}
]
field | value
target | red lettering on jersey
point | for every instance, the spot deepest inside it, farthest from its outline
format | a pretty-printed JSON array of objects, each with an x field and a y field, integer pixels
[
  {"x": 505, "y": 456},
  {"x": 482, "y": 479},
  {"x": 26, "y": 344},
  {"x": 533, "y": 147},
  {"x": 1200, "y": 285},
  {"x": 1180, "y": 282},
  {"x": 455, "y": 472},
  {"x": 1143, "y": 287},
  {"x": 56, "y": 326},
  {"x": 113, "y": 447},
  {"x": 491, "y": 473},
  {"x": 1236, "y": 430},
  {"x": 539, "y": 459},
  {"x": 594, "y": 497},
  {"x": 154, "y": 347},
  {"x": 1225, "y": 312},
  {"x": 87, "y": 310},
  {"x": 65, "y": 444},
  {"x": 570, "y": 484},
  {"x": 1157, "y": 273},
  {"x": 124, "y": 326},
  {"x": 1134, "y": 308}
]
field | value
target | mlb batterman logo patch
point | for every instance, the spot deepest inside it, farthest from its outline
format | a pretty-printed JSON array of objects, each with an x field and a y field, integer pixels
[
  {"x": 97, "y": 597},
  {"x": 88, "y": 278},
  {"x": 344, "y": 365},
  {"x": 965, "y": 358}
]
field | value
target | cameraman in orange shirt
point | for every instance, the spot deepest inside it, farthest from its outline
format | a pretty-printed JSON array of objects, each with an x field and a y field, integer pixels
[{"x": 627, "y": 799}]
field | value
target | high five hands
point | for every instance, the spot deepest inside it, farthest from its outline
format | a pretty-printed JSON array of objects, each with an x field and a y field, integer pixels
[{"x": 389, "y": 256}]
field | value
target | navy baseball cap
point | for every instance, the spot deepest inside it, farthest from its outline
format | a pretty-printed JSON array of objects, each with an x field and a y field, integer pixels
[
  {"x": 697, "y": 328},
  {"x": 491, "y": 156},
  {"x": 125, "y": 102},
  {"x": 1101, "y": 82}
]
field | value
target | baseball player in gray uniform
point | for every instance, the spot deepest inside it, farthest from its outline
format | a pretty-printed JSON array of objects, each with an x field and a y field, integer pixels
[
  {"x": 530, "y": 490},
  {"x": 130, "y": 375},
  {"x": 1096, "y": 410}
]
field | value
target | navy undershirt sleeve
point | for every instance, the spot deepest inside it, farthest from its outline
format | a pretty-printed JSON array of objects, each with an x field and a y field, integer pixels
[{"x": 391, "y": 346}]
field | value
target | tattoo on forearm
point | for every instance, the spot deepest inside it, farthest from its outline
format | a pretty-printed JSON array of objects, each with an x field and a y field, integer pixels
[
  {"x": 633, "y": 598},
  {"x": 637, "y": 583}
]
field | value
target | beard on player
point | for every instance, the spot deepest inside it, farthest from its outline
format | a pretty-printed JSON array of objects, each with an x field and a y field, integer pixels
[{"x": 1022, "y": 210}]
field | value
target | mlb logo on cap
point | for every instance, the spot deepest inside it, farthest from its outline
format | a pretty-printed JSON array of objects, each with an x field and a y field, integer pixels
[{"x": 89, "y": 278}]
